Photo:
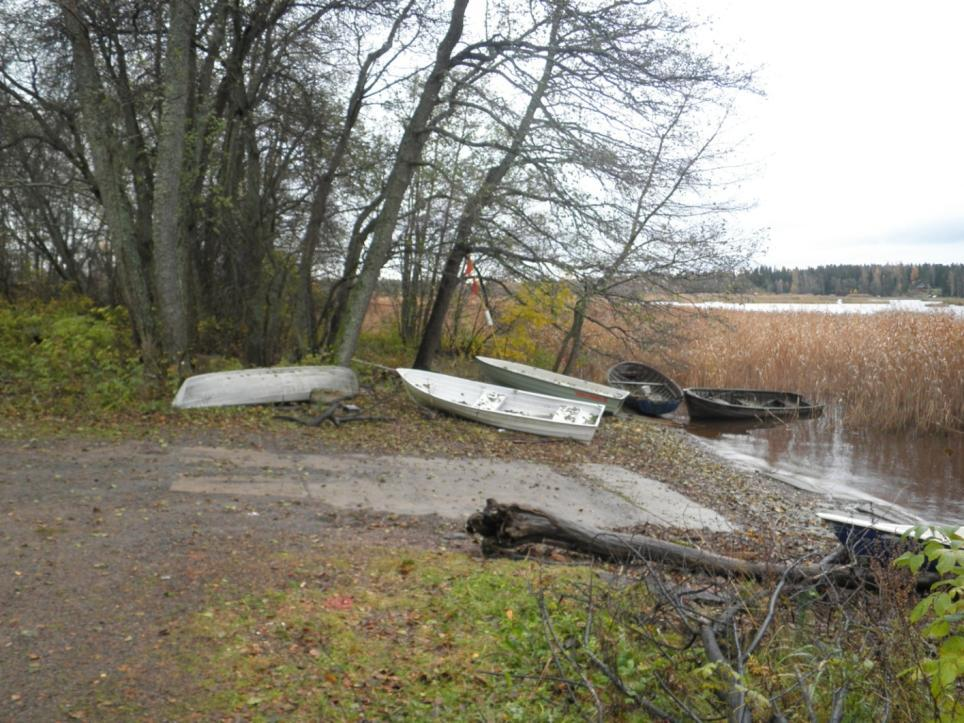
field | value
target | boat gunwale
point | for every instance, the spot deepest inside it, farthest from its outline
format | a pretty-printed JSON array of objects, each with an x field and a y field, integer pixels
[
  {"x": 604, "y": 390},
  {"x": 930, "y": 531},
  {"x": 648, "y": 398},
  {"x": 668, "y": 383}
]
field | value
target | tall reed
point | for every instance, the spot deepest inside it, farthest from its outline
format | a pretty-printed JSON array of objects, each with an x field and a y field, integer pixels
[{"x": 889, "y": 370}]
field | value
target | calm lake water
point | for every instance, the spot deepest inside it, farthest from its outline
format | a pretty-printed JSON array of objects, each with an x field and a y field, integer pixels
[{"x": 923, "y": 474}]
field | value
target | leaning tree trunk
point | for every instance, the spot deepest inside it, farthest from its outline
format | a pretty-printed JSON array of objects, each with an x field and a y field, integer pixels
[
  {"x": 432, "y": 337},
  {"x": 336, "y": 302},
  {"x": 408, "y": 156},
  {"x": 572, "y": 343},
  {"x": 97, "y": 122},
  {"x": 306, "y": 321},
  {"x": 448, "y": 284}
]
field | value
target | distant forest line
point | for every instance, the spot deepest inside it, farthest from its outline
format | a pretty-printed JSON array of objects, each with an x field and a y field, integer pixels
[{"x": 840, "y": 280}]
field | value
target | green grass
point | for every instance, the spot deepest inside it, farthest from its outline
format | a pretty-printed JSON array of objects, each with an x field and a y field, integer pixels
[
  {"x": 415, "y": 635},
  {"x": 410, "y": 637}
]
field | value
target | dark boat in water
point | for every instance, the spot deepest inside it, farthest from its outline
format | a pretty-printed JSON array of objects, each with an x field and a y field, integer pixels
[
  {"x": 650, "y": 392},
  {"x": 748, "y": 404}
]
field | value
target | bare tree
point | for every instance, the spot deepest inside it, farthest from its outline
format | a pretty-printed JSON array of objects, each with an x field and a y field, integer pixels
[
  {"x": 179, "y": 119},
  {"x": 408, "y": 155},
  {"x": 306, "y": 321},
  {"x": 601, "y": 181},
  {"x": 221, "y": 146},
  {"x": 479, "y": 200}
]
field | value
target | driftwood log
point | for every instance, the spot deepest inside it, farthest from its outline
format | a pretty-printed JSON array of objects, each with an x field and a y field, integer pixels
[{"x": 507, "y": 526}]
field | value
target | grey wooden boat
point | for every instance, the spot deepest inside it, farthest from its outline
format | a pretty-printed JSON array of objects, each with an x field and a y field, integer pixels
[
  {"x": 748, "y": 404},
  {"x": 542, "y": 381},
  {"x": 504, "y": 407},
  {"x": 264, "y": 386}
]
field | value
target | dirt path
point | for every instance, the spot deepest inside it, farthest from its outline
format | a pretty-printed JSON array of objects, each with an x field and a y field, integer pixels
[
  {"x": 599, "y": 495},
  {"x": 100, "y": 558}
]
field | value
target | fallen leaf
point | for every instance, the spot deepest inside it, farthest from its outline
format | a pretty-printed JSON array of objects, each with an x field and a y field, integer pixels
[{"x": 339, "y": 602}]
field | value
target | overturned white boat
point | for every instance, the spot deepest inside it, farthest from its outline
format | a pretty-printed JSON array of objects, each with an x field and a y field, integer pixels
[
  {"x": 504, "y": 407},
  {"x": 264, "y": 386},
  {"x": 543, "y": 381}
]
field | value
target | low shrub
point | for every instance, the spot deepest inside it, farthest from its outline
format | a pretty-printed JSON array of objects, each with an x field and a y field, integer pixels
[
  {"x": 942, "y": 614},
  {"x": 68, "y": 354}
]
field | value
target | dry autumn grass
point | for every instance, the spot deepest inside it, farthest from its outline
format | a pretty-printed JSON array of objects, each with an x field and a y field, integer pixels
[{"x": 890, "y": 371}]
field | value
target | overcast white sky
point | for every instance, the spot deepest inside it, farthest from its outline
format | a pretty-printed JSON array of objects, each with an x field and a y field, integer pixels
[{"x": 857, "y": 151}]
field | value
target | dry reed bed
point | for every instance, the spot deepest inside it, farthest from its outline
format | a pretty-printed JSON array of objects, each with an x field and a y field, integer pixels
[{"x": 889, "y": 370}]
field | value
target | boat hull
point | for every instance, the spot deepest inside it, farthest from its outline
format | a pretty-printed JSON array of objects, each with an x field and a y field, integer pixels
[
  {"x": 868, "y": 542},
  {"x": 543, "y": 381},
  {"x": 650, "y": 392},
  {"x": 748, "y": 404},
  {"x": 879, "y": 539},
  {"x": 263, "y": 386},
  {"x": 644, "y": 406},
  {"x": 504, "y": 407}
]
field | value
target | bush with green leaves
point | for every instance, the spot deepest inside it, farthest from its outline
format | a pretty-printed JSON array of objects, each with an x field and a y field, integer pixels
[
  {"x": 942, "y": 613},
  {"x": 68, "y": 353}
]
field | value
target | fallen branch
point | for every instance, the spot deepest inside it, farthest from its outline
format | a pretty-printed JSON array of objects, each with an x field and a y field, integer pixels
[
  {"x": 374, "y": 365},
  {"x": 315, "y": 421},
  {"x": 328, "y": 414},
  {"x": 507, "y": 526}
]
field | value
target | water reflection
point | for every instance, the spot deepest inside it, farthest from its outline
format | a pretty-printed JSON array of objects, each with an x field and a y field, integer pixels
[{"x": 922, "y": 474}]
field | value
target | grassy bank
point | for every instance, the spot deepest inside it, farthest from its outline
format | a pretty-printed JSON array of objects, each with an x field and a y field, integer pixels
[
  {"x": 408, "y": 635},
  {"x": 891, "y": 371}
]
